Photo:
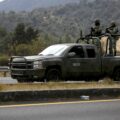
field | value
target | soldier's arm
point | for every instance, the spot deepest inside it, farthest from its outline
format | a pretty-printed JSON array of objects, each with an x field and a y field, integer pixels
[
  {"x": 116, "y": 30},
  {"x": 108, "y": 30}
]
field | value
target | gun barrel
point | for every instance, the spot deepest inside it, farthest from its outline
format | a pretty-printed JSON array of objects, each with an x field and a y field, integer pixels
[{"x": 115, "y": 35}]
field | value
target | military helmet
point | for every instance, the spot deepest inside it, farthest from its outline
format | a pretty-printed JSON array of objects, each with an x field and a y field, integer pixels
[
  {"x": 113, "y": 24},
  {"x": 97, "y": 22}
]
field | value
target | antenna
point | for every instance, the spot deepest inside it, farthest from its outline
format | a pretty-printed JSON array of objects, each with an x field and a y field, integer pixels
[{"x": 81, "y": 36}]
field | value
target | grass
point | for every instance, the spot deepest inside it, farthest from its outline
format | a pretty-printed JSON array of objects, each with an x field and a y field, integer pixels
[
  {"x": 106, "y": 83},
  {"x": 4, "y": 74}
]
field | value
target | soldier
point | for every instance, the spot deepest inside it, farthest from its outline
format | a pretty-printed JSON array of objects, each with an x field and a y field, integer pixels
[
  {"x": 96, "y": 30},
  {"x": 113, "y": 31}
]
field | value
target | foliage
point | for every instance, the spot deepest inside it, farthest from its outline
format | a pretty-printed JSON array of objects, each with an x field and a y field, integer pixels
[
  {"x": 16, "y": 41},
  {"x": 19, "y": 34},
  {"x": 30, "y": 34},
  {"x": 23, "y": 34},
  {"x": 4, "y": 60},
  {"x": 35, "y": 46},
  {"x": 22, "y": 50},
  {"x": 3, "y": 32},
  {"x": 30, "y": 49}
]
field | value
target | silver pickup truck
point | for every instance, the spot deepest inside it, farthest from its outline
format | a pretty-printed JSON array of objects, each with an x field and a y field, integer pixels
[{"x": 72, "y": 61}]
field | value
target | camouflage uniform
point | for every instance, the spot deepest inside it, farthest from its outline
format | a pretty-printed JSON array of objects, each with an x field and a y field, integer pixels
[
  {"x": 96, "y": 30},
  {"x": 112, "y": 30}
]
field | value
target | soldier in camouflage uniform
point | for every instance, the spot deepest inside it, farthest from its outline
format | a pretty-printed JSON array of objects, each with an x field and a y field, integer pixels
[
  {"x": 96, "y": 30},
  {"x": 113, "y": 31}
]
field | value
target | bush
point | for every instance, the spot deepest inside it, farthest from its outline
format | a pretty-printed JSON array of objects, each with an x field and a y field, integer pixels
[
  {"x": 37, "y": 46},
  {"x": 29, "y": 49},
  {"x": 4, "y": 59},
  {"x": 23, "y": 50}
]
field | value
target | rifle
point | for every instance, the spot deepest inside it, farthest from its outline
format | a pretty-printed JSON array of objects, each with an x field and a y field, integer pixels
[
  {"x": 115, "y": 35},
  {"x": 87, "y": 37},
  {"x": 81, "y": 37}
]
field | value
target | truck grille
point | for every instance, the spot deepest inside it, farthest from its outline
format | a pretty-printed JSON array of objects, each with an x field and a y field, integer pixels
[{"x": 22, "y": 65}]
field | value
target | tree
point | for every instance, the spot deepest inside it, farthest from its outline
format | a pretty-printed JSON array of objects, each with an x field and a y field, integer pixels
[
  {"x": 31, "y": 34},
  {"x": 23, "y": 35},
  {"x": 3, "y": 32},
  {"x": 19, "y": 34}
]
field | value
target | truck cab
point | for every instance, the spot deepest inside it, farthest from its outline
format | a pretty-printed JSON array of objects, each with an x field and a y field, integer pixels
[{"x": 83, "y": 62}]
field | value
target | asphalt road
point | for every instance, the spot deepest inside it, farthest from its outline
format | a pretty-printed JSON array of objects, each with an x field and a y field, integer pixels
[{"x": 107, "y": 110}]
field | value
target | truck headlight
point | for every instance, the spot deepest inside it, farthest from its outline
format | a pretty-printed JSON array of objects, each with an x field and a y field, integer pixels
[{"x": 37, "y": 65}]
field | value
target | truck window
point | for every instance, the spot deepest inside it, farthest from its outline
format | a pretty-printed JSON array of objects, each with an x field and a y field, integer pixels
[
  {"x": 78, "y": 50},
  {"x": 91, "y": 52}
]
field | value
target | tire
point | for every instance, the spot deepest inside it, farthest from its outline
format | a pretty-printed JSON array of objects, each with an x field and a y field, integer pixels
[
  {"x": 53, "y": 75},
  {"x": 116, "y": 75},
  {"x": 20, "y": 80}
]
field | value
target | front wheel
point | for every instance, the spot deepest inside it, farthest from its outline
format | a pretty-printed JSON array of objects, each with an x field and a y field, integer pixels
[
  {"x": 53, "y": 75},
  {"x": 116, "y": 75},
  {"x": 20, "y": 80}
]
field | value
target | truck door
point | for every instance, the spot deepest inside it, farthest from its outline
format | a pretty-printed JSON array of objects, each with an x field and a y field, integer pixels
[
  {"x": 74, "y": 62},
  {"x": 92, "y": 66}
]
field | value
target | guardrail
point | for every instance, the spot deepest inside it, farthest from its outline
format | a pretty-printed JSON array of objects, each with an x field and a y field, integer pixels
[{"x": 4, "y": 70}]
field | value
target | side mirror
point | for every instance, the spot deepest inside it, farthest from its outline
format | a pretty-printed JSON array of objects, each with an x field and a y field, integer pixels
[{"x": 71, "y": 54}]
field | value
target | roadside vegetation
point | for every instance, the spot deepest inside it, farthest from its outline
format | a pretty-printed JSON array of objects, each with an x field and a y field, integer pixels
[{"x": 107, "y": 83}]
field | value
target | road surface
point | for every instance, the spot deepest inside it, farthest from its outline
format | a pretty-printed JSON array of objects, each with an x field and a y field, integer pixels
[{"x": 100, "y": 110}]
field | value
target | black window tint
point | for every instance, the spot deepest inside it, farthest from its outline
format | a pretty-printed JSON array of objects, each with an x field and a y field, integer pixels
[
  {"x": 78, "y": 50},
  {"x": 91, "y": 52}
]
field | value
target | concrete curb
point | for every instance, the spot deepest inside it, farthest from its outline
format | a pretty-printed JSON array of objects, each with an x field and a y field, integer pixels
[{"x": 57, "y": 94}]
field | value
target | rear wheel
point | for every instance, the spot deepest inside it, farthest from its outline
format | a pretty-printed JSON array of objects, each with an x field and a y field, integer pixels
[
  {"x": 116, "y": 75},
  {"x": 53, "y": 75}
]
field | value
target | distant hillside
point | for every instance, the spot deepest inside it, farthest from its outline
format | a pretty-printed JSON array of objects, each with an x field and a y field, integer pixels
[
  {"x": 27, "y": 5},
  {"x": 65, "y": 20}
]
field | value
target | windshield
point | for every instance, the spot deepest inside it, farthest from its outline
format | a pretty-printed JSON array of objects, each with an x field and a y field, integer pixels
[{"x": 55, "y": 50}]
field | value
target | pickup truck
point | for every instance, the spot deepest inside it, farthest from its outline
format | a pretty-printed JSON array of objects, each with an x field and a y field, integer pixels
[{"x": 70, "y": 61}]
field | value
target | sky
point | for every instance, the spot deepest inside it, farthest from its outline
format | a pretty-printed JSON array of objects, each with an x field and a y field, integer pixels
[{"x": 1, "y": 0}]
